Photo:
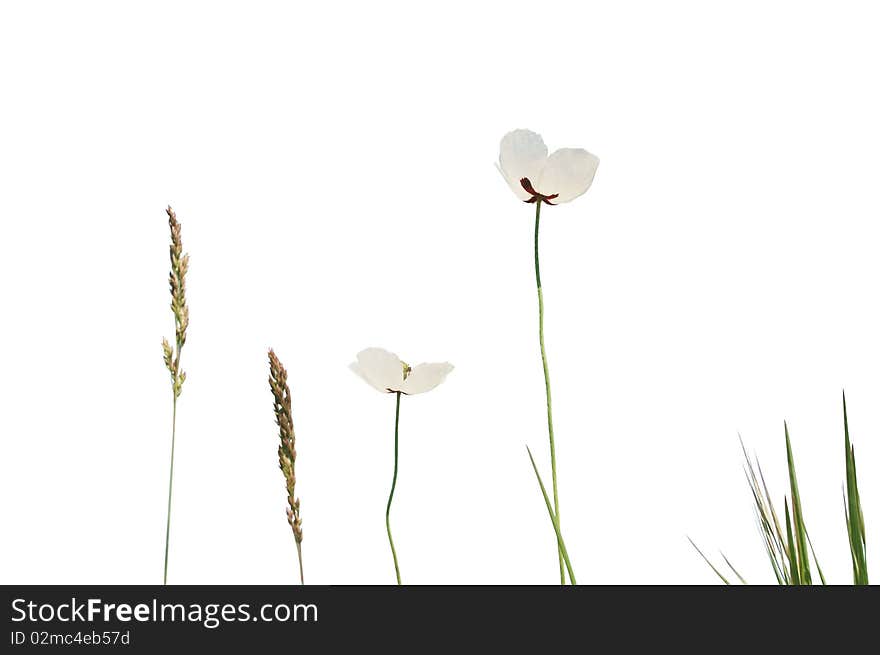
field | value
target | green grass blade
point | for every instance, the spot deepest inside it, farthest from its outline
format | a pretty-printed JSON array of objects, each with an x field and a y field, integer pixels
[
  {"x": 803, "y": 559},
  {"x": 852, "y": 552},
  {"x": 794, "y": 570},
  {"x": 711, "y": 566},
  {"x": 553, "y": 519},
  {"x": 735, "y": 572},
  {"x": 857, "y": 495},
  {"x": 768, "y": 522},
  {"x": 855, "y": 523},
  {"x": 815, "y": 559},
  {"x": 863, "y": 549},
  {"x": 778, "y": 535},
  {"x": 777, "y": 562},
  {"x": 777, "y": 571}
]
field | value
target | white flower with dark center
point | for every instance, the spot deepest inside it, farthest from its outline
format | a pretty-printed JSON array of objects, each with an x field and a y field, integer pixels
[
  {"x": 384, "y": 371},
  {"x": 544, "y": 179},
  {"x": 535, "y": 176},
  {"x": 387, "y": 373}
]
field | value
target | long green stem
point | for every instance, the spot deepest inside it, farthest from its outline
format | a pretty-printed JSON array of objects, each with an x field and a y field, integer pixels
[
  {"x": 170, "y": 483},
  {"x": 299, "y": 556},
  {"x": 559, "y": 545},
  {"x": 391, "y": 495}
]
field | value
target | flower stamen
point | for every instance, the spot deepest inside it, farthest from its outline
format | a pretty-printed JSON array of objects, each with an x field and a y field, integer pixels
[{"x": 536, "y": 197}]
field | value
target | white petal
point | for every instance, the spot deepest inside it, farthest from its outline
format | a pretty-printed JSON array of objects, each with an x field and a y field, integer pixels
[
  {"x": 522, "y": 154},
  {"x": 516, "y": 187},
  {"x": 380, "y": 368},
  {"x": 425, "y": 377},
  {"x": 568, "y": 172}
]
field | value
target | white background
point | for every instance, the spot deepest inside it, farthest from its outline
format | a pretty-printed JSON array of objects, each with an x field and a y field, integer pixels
[{"x": 332, "y": 166}]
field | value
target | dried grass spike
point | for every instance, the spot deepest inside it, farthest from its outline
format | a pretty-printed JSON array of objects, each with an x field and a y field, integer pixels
[
  {"x": 171, "y": 354},
  {"x": 287, "y": 448},
  {"x": 177, "y": 286}
]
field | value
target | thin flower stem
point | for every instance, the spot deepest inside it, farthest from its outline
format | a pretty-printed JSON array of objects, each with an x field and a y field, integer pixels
[
  {"x": 559, "y": 545},
  {"x": 391, "y": 495},
  {"x": 170, "y": 484},
  {"x": 299, "y": 555}
]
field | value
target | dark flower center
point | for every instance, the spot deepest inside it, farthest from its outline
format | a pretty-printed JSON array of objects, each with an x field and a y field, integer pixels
[{"x": 536, "y": 197}]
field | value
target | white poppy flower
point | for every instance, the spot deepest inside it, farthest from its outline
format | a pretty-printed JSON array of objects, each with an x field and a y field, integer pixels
[
  {"x": 387, "y": 373},
  {"x": 534, "y": 176}
]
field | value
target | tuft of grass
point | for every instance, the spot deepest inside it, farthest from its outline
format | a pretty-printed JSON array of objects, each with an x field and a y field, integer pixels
[
  {"x": 286, "y": 449},
  {"x": 788, "y": 545}
]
